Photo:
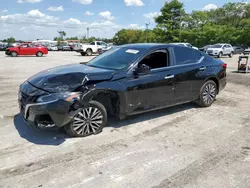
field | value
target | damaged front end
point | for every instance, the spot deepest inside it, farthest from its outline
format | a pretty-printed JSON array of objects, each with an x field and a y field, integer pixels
[{"x": 52, "y": 110}]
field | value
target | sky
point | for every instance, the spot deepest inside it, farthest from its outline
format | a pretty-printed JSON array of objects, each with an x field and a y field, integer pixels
[{"x": 42, "y": 19}]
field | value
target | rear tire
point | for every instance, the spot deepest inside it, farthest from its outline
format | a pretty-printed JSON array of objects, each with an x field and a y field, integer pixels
[
  {"x": 231, "y": 55},
  {"x": 207, "y": 94},
  {"x": 39, "y": 54},
  {"x": 14, "y": 54},
  {"x": 90, "y": 120}
]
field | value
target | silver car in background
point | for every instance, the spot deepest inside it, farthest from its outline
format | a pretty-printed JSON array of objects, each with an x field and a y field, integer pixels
[{"x": 220, "y": 50}]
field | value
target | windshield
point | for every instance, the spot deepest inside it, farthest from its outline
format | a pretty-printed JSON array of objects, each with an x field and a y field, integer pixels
[
  {"x": 216, "y": 46},
  {"x": 116, "y": 58}
]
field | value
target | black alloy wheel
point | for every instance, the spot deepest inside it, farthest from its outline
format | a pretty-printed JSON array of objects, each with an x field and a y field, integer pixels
[
  {"x": 89, "y": 120},
  {"x": 208, "y": 94}
]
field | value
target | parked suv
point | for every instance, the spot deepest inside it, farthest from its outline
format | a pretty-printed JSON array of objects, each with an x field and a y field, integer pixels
[{"x": 220, "y": 50}]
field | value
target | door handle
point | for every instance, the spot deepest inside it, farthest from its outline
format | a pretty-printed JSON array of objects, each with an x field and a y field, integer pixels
[
  {"x": 203, "y": 68},
  {"x": 168, "y": 77}
]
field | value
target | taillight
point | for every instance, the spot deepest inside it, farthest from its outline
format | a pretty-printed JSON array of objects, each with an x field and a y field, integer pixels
[{"x": 224, "y": 65}]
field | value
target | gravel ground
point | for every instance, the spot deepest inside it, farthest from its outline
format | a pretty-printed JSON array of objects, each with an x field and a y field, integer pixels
[{"x": 182, "y": 146}]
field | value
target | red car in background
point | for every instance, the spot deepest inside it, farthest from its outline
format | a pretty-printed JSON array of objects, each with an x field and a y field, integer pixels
[{"x": 27, "y": 49}]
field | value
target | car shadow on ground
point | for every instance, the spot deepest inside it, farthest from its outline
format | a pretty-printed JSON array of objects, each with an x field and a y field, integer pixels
[
  {"x": 55, "y": 138},
  {"x": 26, "y": 56},
  {"x": 115, "y": 123},
  {"x": 36, "y": 136}
]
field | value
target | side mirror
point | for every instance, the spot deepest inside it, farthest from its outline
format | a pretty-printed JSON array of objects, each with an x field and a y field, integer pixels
[{"x": 142, "y": 69}]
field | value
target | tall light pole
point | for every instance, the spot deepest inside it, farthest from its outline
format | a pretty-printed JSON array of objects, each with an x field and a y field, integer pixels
[
  {"x": 87, "y": 32},
  {"x": 147, "y": 24}
]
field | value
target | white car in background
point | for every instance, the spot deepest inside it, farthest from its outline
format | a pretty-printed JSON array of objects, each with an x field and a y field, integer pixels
[
  {"x": 53, "y": 48},
  {"x": 92, "y": 48},
  {"x": 184, "y": 44},
  {"x": 220, "y": 50}
]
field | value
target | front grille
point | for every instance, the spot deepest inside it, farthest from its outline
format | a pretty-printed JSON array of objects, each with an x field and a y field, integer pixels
[{"x": 210, "y": 51}]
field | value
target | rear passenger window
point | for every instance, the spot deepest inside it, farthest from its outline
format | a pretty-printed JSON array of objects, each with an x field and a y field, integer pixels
[{"x": 185, "y": 56}]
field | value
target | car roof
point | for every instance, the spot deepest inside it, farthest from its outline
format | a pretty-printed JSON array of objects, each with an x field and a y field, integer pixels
[{"x": 223, "y": 44}]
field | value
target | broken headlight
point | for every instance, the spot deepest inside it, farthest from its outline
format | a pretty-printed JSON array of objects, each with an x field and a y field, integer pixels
[{"x": 68, "y": 96}]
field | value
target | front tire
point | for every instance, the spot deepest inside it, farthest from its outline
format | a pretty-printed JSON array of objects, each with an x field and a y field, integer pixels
[
  {"x": 207, "y": 94},
  {"x": 83, "y": 53},
  {"x": 13, "y": 54},
  {"x": 88, "y": 121},
  {"x": 220, "y": 55}
]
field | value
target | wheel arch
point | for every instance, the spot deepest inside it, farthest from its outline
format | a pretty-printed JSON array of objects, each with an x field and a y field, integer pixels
[
  {"x": 216, "y": 80},
  {"x": 14, "y": 51},
  {"x": 108, "y": 98}
]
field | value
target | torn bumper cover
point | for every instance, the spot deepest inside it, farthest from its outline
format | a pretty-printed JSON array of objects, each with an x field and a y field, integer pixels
[
  {"x": 44, "y": 110},
  {"x": 54, "y": 114}
]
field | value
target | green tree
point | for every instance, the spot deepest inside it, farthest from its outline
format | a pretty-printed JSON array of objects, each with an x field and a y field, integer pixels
[
  {"x": 62, "y": 34},
  {"x": 170, "y": 20},
  {"x": 72, "y": 38},
  {"x": 227, "y": 24},
  {"x": 11, "y": 40}
]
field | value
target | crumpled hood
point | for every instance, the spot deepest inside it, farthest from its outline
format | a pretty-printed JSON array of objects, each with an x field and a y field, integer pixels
[{"x": 68, "y": 77}]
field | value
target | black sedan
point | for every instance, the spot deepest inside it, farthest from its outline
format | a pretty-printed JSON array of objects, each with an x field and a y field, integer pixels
[{"x": 123, "y": 81}]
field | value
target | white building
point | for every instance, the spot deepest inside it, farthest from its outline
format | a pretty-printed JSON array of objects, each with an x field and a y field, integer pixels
[{"x": 52, "y": 42}]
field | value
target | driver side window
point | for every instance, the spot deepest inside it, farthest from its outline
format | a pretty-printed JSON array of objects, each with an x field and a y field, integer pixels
[
  {"x": 156, "y": 60},
  {"x": 24, "y": 46}
]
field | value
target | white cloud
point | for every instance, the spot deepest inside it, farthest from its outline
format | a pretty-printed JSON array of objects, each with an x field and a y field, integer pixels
[
  {"x": 137, "y": 3},
  {"x": 60, "y": 8},
  {"x": 29, "y": 1},
  {"x": 4, "y": 11},
  {"x": 33, "y": 17},
  {"x": 135, "y": 26},
  {"x": 35, "y": 24},
  {"x": 84, "y": 2},
  {"x": 107, "y": 15},
  {"x": 152, "y": 15},
  {"x": 35, "y": 13},
  {"x": 73, "y": 21},
  {"x": 210, "y": 7},
  {"x": 88, "y": 13}
]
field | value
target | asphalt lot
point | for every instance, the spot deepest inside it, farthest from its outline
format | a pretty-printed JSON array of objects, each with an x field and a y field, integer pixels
[{"x": 183, "y": 146}]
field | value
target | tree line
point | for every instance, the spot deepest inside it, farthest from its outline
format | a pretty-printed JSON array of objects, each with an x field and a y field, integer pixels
[{"x": 227, "y": 24}]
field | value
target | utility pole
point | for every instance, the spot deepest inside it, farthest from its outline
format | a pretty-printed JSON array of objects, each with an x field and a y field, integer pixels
[
  {"x": 147, "y": 24},
  {"x": 87, "y": 32}
]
